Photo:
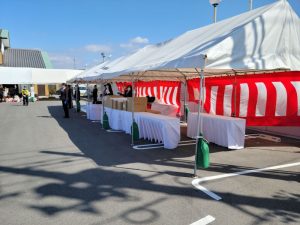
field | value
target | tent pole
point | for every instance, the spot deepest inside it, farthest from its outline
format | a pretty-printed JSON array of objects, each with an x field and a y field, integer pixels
[
  {"x": 184, "y": 102},
  {"x": 185, "y": 95},
  {"x": 235, "y": 113},
  {"x": 198, "y": 123},
  {"x": 103, "y": 101},
  {"x": 132, "y": 113},
  {"x": 200, "y": 109},
  {"x": 87, "y": 92}
]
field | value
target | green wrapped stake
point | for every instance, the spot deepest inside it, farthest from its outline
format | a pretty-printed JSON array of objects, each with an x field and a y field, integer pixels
[
  {"x": 187, "y": 111},
  {"x": 78, "y": 108},
  {"x": 105, "y": 122},
  {"x": 135, "y": 131},
  {"x": 202, "y": 157}
]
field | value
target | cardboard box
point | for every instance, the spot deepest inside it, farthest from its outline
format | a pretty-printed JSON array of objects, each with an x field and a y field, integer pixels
[
  {"x": 108, "y": 100},
  {"x": 140, "y": 104},
  {"x": 120, "y": 105},
  {"x": 114, "y": 103}
]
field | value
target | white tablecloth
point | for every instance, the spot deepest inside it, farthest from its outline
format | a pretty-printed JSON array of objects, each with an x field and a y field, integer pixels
[
  {"x": 221, "y": 130},
  {"x": 93, "y": 111},
  {"x": 156, "y": 127},
  {"x": 167, "y": 110}
]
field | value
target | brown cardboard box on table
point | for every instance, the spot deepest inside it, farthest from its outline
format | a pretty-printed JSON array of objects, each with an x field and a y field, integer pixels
[
  {"x": 140, "y": 104},
  {"x": 120, "y": 105},
  {"x": 114, "y": 103},
  {"x": 108, "y": 101}
]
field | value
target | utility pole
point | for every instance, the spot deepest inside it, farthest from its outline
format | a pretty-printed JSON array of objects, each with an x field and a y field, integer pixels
[
  {"x": 215, "y": 3},
  {"x": 103, "y": 56},
  {"x": 250, "y": 5}
]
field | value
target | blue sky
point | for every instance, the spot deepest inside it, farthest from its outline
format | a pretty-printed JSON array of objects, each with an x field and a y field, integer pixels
[{"x": 82, "y": 29}]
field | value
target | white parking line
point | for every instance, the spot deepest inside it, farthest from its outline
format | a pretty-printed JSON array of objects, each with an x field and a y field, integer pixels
[
  {"x": 196, "y": 182},
  {"x": 206, "y": 220},
  {"x": 206, "y": 191}
]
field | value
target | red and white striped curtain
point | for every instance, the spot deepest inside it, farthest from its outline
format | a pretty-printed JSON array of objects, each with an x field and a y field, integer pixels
[
  {"x": 262, "y": 99},
  {"x": 122, "y": 85},
  {"x": 167, "y": 92}
]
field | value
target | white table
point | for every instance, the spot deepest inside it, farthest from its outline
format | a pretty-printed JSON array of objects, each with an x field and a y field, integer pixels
[
  {"x": 93, "y": 111},
  {"x": 156, "y": 127},
  {"x": 221, "y": 130},
  {"x": 160, "y": 128},
  {"x": 164, "y": 109}
]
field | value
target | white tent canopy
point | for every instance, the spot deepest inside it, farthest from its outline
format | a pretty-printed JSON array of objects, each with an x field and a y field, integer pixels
[
  {"x": 262, "y": 39},
  {"x": 16, "y": 75},
  {"x": 93, "y": 72}
]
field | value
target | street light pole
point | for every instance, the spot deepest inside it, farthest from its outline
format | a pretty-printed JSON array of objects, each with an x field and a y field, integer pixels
[
  {"x": 215, "y": 3},
  {"x": 103, "y": 56},
  {"x": 250, "y": 4}
]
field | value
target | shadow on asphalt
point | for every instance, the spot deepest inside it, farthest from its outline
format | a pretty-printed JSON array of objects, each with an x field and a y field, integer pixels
[
  {"x": 113, "y": 150},
  {"x": 94, "y": 185}
]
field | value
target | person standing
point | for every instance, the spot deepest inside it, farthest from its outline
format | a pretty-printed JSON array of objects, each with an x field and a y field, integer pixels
[
  {"x": 127, "y": 91},
  {"x": 108, "y": 89},
  {"x": 77, "y": 98},
  {"x": 1, "y": 93},
  {"x": 95, "y": 94},
  {"x": 64, "y": 95},
  {"x": 25, "y": 95},
  {"x": 70, "y": 93}
]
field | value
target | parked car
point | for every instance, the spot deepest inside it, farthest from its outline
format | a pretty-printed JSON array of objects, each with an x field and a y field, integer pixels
[{"x": 83, "y": 90}]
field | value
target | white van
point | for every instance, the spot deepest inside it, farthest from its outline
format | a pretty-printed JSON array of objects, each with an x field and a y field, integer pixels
[{"x": 83, "y": 90}]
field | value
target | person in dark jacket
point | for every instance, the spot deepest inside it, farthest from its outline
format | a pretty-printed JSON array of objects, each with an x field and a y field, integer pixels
[
  {"x": 127, "y": 91},
  {"x": 1, "y": 93},
  {"x": 77, "y": 98},
  {"x": 64, "y": 96},
  {"x": 95, "y": 94},
  {"x": 77, "y": 93},
  {"x": 70, "y": 102},
  {"x": 108, "y": 89}
]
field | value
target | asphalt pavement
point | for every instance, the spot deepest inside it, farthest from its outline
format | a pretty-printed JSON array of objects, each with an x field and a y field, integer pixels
[{"x": 70, "y": 171}]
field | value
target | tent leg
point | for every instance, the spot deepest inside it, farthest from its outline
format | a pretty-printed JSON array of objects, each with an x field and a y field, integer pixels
[
  {"x": 184, "y": 103},
  {"x": 200, "y": 109},
  {"x": 103, "y": 109},
  {"x": 132, "y": 113},
  {"x": 198, "y": 123}
]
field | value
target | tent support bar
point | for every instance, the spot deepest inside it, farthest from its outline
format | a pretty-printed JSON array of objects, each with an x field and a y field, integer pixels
[
  {"x": 185, "y": 93},
  {"x": 103, "y": 104},
  {"x": 235, "y": 93},
  {"x": 132, "y": 113},
  {"x": 161, "y": 145},
  {"x": 200, "y": 109}
]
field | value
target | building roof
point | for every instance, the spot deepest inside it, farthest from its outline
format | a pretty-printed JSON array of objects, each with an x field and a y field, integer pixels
[{"x": 26, "y": 58}]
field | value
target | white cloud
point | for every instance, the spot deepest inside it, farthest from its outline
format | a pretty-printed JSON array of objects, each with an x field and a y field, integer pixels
[
  {"x": 139, "y": 40},
  {"x": 97, "y": 48},
  {"x": 60, "y": 58},
  {"x": 61, "y": 61},
  {"x": 135, "y": 43}
]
